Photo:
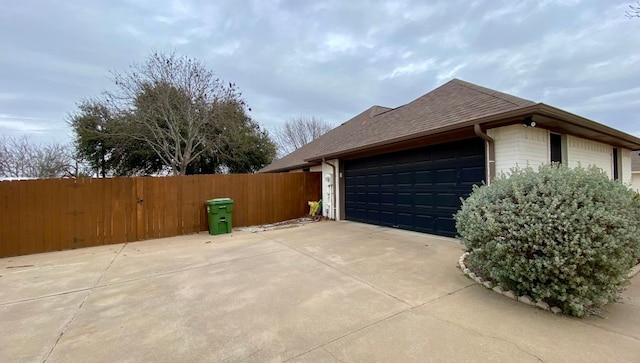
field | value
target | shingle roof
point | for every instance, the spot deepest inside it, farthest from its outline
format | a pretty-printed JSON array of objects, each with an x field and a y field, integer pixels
[
  {"x": 454, "y": 102},
  {"x": 635, "y": 161},
  {"x": 296, "y": 159}
]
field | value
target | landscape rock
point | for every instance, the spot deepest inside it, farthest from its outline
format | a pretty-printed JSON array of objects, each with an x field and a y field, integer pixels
[
  {"x": 526, "y": 299},
  {"x": 556, "y": 310},
  {"x": 487, "y": 284},
  {"x": 542, "y": 305},
  {"x": 510, "y": 294},
  {"x": 498, "y": 289}
]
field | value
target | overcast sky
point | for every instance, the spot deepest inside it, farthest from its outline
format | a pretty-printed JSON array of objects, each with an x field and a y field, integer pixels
[{"x": 329, "y": 59}]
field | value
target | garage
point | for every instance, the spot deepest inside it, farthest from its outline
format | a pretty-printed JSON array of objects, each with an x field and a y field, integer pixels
[{"x": 417, "y": 189}]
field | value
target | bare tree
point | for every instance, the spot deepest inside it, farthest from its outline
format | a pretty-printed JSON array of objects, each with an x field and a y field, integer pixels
[
  {"x": 170, "y": 103},
  {"x": 21, "y": 158},
  {"x": 298, "y": 132},
  {"x": 634, "y": 11}
]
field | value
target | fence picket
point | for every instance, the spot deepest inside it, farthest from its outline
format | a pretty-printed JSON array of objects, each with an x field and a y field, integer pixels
[{"x": 58, "y": 214}]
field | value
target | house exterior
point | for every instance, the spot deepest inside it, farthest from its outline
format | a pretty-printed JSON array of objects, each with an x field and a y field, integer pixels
[
  {"x": 635, "y": 171},
  {"x": 408, "y": 167}
]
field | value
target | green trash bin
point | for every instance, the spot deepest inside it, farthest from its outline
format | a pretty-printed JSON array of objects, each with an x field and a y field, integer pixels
[{"x": 220, "y": 211}]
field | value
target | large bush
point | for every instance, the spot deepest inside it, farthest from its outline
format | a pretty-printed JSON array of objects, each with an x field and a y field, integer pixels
[{"x": 564, "y": 236}]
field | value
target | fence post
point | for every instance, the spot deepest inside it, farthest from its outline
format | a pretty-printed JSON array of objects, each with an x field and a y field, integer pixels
[{"x": 140, "y": 209}]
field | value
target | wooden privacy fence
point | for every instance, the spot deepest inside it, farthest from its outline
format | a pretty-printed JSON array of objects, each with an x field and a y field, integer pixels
[{"x": 58, "y": 214}]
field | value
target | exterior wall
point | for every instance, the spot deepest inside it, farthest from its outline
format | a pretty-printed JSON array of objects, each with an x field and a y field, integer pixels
[
  {"x": 635, "y": 181},
  {"x": 626, "y": 166},
  {"x": 330, "y": 182},
  {"x": 586, "y": 152},
  {"x": 519, "y": 146}
]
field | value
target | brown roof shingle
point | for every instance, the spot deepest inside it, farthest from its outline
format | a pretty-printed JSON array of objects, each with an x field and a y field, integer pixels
[
  {"x": 454, "y": 102},
  {"x": 296, "y": 159}
]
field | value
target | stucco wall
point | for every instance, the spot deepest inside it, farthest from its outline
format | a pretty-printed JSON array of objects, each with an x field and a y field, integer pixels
[
  {"x": 586, "y": 153},
  {"x": 330, "y": 183},
  {"x": 519, "y": 146}
]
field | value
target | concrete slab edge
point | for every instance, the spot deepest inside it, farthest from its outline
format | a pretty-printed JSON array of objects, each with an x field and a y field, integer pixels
[
  {"x": 634, "y": 270},
  {"x": 510, "y": 294}
]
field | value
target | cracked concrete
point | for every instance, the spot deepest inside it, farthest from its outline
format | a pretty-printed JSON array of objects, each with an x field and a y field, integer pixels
[{"x": 321, "y": 292}]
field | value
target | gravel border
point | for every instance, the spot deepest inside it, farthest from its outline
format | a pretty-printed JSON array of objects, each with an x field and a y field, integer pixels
[{"x": 525, "y": 299}]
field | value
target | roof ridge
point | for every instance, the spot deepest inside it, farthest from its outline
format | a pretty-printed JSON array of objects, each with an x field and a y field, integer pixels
[{"x": 494, "y": 93}]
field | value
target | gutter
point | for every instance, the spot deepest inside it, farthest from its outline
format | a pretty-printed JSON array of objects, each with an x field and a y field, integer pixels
[
  {"x": 333, "y": 185},
  {"x": 491, "y": 152}
]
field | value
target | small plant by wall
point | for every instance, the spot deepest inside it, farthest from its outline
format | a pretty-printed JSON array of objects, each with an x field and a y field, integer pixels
[{"x": 564, "y": 236}]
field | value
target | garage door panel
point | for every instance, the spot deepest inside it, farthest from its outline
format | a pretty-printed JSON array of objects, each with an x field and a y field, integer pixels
[
  {"x": 388, "y": 218},
  {"x": 416, "y": 189},
  {"x": 471, "y": 175},
  {"x": 444, "y": 225},
  {"x": 447, "y": 200},
  {"x": 387, "y": 179},
  {"x": 446, "y": 176},
  {"x": 405, "y": 221},
  {"x": 404, "y": 200},
  {"x": 425, "y": 223},
  {"x": 387, "y": 198},
  {"x": 424, "y": 177}
]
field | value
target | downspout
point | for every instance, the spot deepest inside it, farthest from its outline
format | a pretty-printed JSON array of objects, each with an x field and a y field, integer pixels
[
  {"x": 333, "y": 185},
  {"x": 491, "y": 152}
]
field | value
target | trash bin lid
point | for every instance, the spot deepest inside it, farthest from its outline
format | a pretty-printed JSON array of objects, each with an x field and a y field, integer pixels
[{"x": 220, "y": 201}]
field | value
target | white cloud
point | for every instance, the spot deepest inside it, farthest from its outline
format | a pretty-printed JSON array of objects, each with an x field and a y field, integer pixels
[
  {"x": 412, "y": 68},
  {"x": 329, "y": 59},
  {"x": 339, "y": 43},
  {"x": 22, "y": 124}
]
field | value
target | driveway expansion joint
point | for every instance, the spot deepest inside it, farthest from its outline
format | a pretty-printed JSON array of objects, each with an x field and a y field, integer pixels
[
  {"x": 90, "y": 291},
  {"x": 204, "y": 265},
  {"x": 480, "y": 333}
]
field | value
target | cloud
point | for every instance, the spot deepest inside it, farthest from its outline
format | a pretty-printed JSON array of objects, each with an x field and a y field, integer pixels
[
  {"x": 23, "y": 124},
  {"x": 330, "y": 59}
]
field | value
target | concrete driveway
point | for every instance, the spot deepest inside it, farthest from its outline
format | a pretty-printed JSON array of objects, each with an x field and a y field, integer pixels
[{"x": 322, "y": 292}]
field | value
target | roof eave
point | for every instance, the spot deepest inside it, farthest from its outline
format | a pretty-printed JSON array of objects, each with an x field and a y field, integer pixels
[
  {"x": 289, "y": 168},
  {"x": 629, "y": 141},
  {"x": 508, "y": 117},
  {"x": 527, "y": 110}
]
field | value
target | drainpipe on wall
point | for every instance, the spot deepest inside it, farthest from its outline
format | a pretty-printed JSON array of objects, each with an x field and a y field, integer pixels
[
  {"x": 491, "y": 152},
  {"x": 333, "y": 188}
]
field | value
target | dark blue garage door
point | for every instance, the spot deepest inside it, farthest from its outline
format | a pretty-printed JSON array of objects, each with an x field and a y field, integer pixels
[{"x": 418, "y": 189}]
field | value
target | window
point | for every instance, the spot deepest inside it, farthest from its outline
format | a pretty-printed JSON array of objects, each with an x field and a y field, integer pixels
[{"x": 556, "y": 148}]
